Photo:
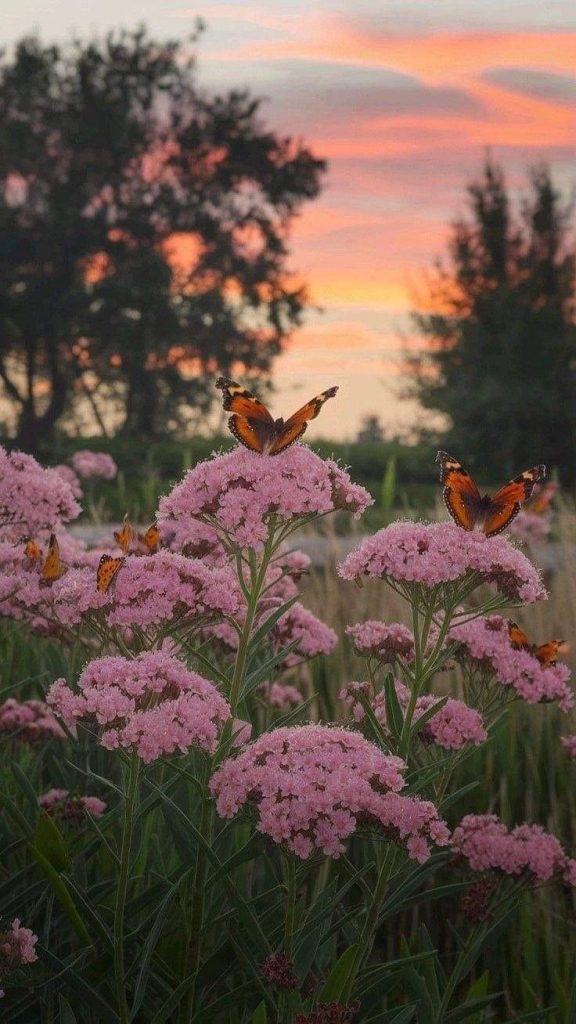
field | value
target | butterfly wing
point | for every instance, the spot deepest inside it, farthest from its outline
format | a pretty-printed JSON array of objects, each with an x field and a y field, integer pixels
[
  {"x": 151, "y": 539},
  {"x": 461, "y": 495},
  {"x": 547, "y": 654},
  {"x": 53, "y": 568},
  {"x": 540, "y": 502},
  {"x": 251, "y": 423},
  {"x": 108, "y": 566},
  {"x": 296, "y": 425},
  {"x": 126, "y": 536},
  {"x": 518, "y": 638},
  {"x": 32, "y": 550},
  {"x": 505, "y": 504}
]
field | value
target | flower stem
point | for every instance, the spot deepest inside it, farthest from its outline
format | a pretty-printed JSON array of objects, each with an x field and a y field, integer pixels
[
  {"x": 121, "y": 892},
  {"x": 258, "y": 575},
  {"x": 366, "y": 939},
  {"x": 196, "y": 923},
  {"x": 284, "y": 1009}
]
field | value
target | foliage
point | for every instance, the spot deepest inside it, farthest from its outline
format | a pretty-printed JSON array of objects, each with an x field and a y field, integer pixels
[
  {"x": 144, "y": 235},
  {"x": 500, "y": 331}
]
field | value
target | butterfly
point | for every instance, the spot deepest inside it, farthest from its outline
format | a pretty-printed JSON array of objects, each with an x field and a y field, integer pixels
[
  {"x": 32, "y": 550},
  {"x": 469, "y": 508},
  {"x": 131, "y": 542},
  {"x": 255, "y": 428},
  {"x": 125, "y": 536},
  {"x": 540, "y": 502},
  {"x": 108, "y": 566},
  {"x": 547, "y": 654},
  {"x": 150, "y": 539},
  {"x": 53, "y": 567}
]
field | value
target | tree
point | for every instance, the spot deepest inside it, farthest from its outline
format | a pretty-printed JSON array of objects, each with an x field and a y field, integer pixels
[
  {"x": 144, "y": 233},
  {"x": 370, "y": 431},
  {"x": 500, "y": 343}
]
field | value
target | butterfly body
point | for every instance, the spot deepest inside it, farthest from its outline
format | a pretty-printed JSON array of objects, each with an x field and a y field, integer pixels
[
  {"x": 254, "y": 426},
  {"x": 108, "y": 566},
  {"x": 547, "y": 654},
  {"x": 489, "y": 513}
]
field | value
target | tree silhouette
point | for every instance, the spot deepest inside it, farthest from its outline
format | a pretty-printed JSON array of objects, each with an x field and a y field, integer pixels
[
  {"x": 500, "y": 343},
  {"x": 143, "y": 233}
]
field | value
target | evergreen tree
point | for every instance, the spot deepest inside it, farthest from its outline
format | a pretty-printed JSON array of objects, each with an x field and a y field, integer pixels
[
  {"x": 113, "y": 167},
  {"x": 500, "y": 343}
]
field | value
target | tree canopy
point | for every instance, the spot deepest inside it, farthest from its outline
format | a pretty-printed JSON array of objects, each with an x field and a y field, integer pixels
[
  {"x": 499, "y": 330},
  {"x": 143, "y": 235}
]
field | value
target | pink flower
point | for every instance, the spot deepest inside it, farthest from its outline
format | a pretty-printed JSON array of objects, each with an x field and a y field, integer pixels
[
  {"x": 88, "y": 464},
  {"x": 68, "y": 474},
  {"x": 313, "y": 785},
  {"x": 486, "y": 643},
  {"x": 29, "y": 721},
  {"x": 58, "y": 803},
  {"x": 281, "y": 695},
  {"x": 193, "y": 538},
  {"x": 239, "y": 492},
  {"x": 531, "y": 527},
  {"x": 384, "y": 642},
  {"x": 432, "y": 554},
  {"x": 151, "y": 704},
  {"x": 569, "y": 744},
  {"x": 313, "y": 636},
  {"x": 17, "y": 947},
  {"x": 485, "y": 842},
  {"x": 32, "y": 499}
]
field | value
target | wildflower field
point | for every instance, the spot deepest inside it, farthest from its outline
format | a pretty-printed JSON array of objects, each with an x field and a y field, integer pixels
[{"x": 241, "y": 787}]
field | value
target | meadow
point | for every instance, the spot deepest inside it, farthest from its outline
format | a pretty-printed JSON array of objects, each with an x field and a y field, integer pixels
[{"x": 251, "y": 815}]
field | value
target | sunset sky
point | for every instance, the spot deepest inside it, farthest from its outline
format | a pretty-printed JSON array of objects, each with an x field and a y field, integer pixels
[{"x": 402, "y": 97}]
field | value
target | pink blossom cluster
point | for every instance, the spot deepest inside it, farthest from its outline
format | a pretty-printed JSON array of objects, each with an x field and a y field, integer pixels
[
  {"x": 312, "y": 635},
  {"x": 87, "y": 465},
  {"x": 313, "y": 785},
  {"x": 485, "y": 842},
  {"x": 431, "y": 554},
  {"x": 240, "y": 492},
  {"x": 281, "y": 695},
  {"x": 453, "y": 726},
  {"x": 30, "y": 721},
  {"x": 59, "y": 803},
  {"x": 165, "y": 586},
  {"x": 151, "y": 704},
  {"x": 32, "y": 499},
  {"x": 385, "y": 642},
  {"x": 193, "y": 538},
  {"x": 71, "y": 478},
  {"x": 486, "y": 642},
  {"x": 531, "y": 527},
  {"x": 569, "y": 744},
  {"x": 46, "y": 607},
  {"x": 17, "y": 947}
]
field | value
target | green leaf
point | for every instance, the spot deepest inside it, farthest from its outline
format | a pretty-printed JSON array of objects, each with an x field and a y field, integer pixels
[
  {"x": 394, "y": 715},
  {"x": 262, "y": 673},
  {"x": 102, "y": 1011},
  {"x": 269, "y": 623},
  {"x": 27, "y": 788},
  {"x": 62, "y": 894},
  {"x": 417, "y": 723},
  {"x": 403, "y": 1016},
  {"x": 49, "y": 840},
  {"x": 337, "y": 979},
  {"x": 66, "y": 1014},
  {"x": 260, "y": 1016},
  {"x": 150, "y": 945}
]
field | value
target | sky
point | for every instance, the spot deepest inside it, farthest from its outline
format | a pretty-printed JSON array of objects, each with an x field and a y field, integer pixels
[{"x": 403, "y": 98}]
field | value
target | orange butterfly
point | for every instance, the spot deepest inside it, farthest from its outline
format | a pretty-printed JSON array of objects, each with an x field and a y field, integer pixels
[
  {"x": 126, "y": 536},
  {"x": 150, "y": 539},
  {"x": 108, "y": 566},
  {"x": 469, "y": 508},
  {"x": 547, "y": 654},
  {"x": 255, "y": 428},
  {"x": 53, "y": 568},
  {"x": 540, "y": 502},
  {"x": 32, "y": 550}
]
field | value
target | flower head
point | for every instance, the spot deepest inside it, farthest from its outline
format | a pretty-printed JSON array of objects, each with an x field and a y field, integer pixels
[
  {"x": 88, "y": 464},
  {"x": 33, "y": 500},
  {"x": 384, "y": 642},
  {"x": 17, "y": 947},
  {"x": 312, "y": 636},
  {"x": 239, "y": 492},
  {"x": 71, "y": 478},
  {"x": 431, "y": 554},
  {"x": 569, "y": 744},
  {"x": 59, "y": 803},
  {"x": 312, "y": 785},
  {"x": 30, "y": 721},
  {"x": 486, "y": 642},
  {"x": 485, "y": 842},
  {"x": 151, "y": 704}
]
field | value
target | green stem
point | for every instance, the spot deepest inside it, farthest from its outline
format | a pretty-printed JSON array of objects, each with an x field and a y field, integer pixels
[
  {"x": 258, "y": 577},
  {"x": 366, "y": 939},
  {"x": 284, "y": 1000},
  {"x": 196, "y": 923},
  {"x": 121, "y": 892}
]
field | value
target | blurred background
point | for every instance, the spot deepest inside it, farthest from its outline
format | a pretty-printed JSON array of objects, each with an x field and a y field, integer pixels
[{"x": 372, "y": 194}]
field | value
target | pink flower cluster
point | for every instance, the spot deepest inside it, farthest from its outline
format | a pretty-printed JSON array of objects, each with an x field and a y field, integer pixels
[
  {"x": 68, "y": 474},
  {"x": 485, "y": 641},
  {"x": 385, "y": 642},
  {"x": 59, "y": 803},
  {"x": 151, "y": 704},
  {"x": 313, "y": 785},
  {"x": 17, "y": 947},
  {"x": 238, "y": 493},
  {"x": 485, "y": 842},
  {"x": 192, "y": 538},
  {"x": 32, "y": 499},
  {"x": 281, "y": 695},
  {"x": 88, "y": 464},
  {"x": 452, "y": 727},
  {"x": 312, "y": 635},
  {"x": 30, "y": 721},
  {"x": 531, "y": 527},
  {"x": 431, "y": 554},
  {"x": 569, "y": 744},
  {"x": 164, "y": 586}
]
